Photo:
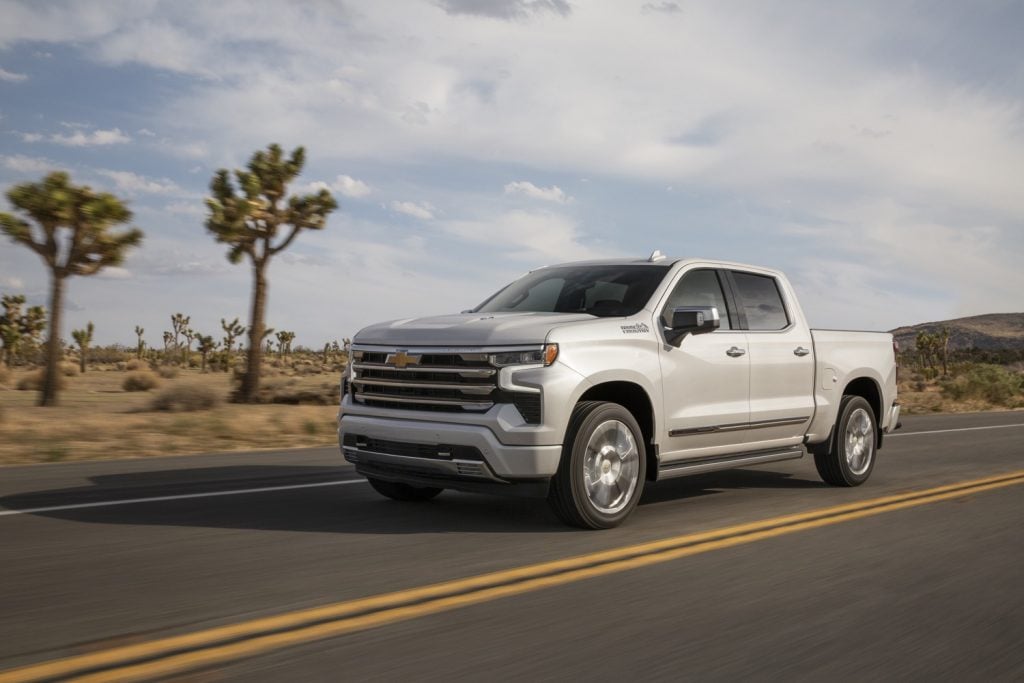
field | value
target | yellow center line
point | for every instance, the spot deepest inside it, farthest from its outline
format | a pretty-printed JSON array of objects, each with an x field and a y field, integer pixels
[{"x": 202, "y": 648}]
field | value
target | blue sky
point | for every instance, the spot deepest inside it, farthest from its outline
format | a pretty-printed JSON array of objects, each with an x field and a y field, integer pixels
[{"x": 874, "y": 151}]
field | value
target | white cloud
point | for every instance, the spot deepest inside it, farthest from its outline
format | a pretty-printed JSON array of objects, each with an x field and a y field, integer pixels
[
  {"x": 350, "y": 187},
  {"x": 422, "y": 211},
  {"x": 548, "y": 194},
  {"x": 11, "y": 282},
  {"x": 183, "y": 150},
  {"x": 11, "y": 77},
  {"x": 195, "y": 208},
  {"x": 32, "y": 137},
  {"x": 27, "y": 164},
  {"x": 529, "y": 236},
  {"x": 344, "y": 185},
  {"x": 80, "y": 138},
  {"x": 115, "y": 273},
  {"x": 127, "y": 181}
]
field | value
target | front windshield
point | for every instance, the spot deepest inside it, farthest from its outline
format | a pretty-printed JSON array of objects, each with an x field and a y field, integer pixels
[{"x": 603, "y": 291}]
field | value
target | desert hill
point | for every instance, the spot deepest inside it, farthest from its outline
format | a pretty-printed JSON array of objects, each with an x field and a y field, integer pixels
[{"x": 989, "y": 332}]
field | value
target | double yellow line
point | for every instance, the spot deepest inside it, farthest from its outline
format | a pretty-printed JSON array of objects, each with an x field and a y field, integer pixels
[{"x": 217, "y": 645}]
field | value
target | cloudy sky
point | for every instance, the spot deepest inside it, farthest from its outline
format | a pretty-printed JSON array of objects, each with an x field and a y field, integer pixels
[{"x": 872, "y": 150}]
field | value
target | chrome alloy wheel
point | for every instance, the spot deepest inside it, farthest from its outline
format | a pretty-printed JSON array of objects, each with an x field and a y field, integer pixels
[
  {"x": 611, "y": 467},
  {"x": 860, "y": 441}
]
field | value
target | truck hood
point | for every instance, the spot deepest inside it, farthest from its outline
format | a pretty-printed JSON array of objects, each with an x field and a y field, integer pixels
[{"x": 468, "y": 329}]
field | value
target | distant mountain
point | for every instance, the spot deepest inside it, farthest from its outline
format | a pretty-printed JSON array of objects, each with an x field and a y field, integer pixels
[{"x": 989, "y": 332}]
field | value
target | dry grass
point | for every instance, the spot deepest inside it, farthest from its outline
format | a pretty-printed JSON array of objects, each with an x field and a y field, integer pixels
[
  {"x": 186, "y": 398},
  {"x": 919, "y": 396},
  {"x": 143, "y": 380},
  {"x": 98, "y": 419}
]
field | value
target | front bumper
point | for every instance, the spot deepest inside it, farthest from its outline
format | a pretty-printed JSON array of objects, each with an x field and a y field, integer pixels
[{"x": 477, "y": 457}]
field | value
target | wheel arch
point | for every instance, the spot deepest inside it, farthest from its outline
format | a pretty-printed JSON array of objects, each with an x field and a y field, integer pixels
[{"x": 637, "y": 401}]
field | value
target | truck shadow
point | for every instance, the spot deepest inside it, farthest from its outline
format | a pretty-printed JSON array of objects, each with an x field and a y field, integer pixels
[{"x": 313, "y": 504}]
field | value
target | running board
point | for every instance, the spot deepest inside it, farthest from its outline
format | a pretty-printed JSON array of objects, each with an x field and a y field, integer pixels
[{"x": 725, "y": 462}]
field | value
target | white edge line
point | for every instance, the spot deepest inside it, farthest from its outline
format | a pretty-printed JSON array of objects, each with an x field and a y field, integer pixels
[
  {"x": 237, "y": 492},
  {"x": 182, "y": 496},
  {"x": 944, "y": 431}
]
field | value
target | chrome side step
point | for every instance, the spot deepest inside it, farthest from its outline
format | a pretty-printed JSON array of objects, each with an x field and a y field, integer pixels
[{"x": 725, "y": 462}]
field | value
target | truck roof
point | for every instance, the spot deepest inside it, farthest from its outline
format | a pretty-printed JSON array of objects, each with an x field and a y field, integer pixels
[{"x": 660, "y": 260}]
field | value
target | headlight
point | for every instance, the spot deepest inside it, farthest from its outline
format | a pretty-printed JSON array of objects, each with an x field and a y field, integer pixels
[{"x": 544, "y": 355}]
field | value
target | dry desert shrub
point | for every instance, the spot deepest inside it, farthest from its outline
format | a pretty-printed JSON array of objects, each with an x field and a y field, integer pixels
[
  {"x": 33, "y": 381},
  {"x": 185, "y": 398},
  {"x": 69, "y": 369},
  {"x": 5, "y": 375},
  {"x": 168, "y": 371},
  {"x": 140, "y": 381},
  {"x": 134, "y": 364}
]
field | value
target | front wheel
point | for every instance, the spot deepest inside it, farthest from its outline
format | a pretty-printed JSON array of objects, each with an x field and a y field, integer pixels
[
  {"x": 604, "y": 463},
  {"x": 404, "y": 492},
  {"x": 851, "y": 457}
]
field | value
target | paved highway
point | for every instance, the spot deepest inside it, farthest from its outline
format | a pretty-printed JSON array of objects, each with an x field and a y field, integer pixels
[{"x": 285, "y": 565}]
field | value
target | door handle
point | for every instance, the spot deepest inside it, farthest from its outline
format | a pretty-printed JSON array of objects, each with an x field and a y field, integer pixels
[
  {"x": 735, "y": 352},
  {"x": 801, "y": 351}
]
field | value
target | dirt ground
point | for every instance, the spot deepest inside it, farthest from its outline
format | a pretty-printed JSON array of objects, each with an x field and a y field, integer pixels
[{"x": 97, "y": 419}]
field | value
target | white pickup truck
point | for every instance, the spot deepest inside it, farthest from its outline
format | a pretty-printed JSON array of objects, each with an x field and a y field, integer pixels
[{"x": 582, "y": 382}]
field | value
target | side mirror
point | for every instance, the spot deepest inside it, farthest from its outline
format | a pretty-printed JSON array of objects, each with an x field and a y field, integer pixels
[{"x": 692, "y": 320}]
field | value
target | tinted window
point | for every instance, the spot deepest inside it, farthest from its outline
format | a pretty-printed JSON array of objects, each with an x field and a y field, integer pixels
[
  {"x": 698, "y": 288},
  {"x": 604, "y": 291},
  {"x": 759, "y": 297}
]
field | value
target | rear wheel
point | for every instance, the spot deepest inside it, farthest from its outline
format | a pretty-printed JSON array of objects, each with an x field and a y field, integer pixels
[
  {"x": 601, "y": 474},
  {"x": 851, "y": 455},
  {"x": 405, "y": 492}
]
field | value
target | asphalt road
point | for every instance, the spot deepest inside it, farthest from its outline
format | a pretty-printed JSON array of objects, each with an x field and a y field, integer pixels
[{"x": 929, "y": 590}]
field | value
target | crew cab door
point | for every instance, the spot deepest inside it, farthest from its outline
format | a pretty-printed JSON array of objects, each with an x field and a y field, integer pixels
[
  {"x": 705, "y": 381},
  {"x": 781, "y": 356}
]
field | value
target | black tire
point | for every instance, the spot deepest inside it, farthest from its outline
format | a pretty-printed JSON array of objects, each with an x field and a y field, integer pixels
[
  {"x": 404, "y": 492},
  {"x": 833, "y": 464},
  {"x": 568, "y": 495}
]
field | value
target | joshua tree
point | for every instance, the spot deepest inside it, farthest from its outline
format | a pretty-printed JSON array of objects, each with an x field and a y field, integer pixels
[
  {"x": 232, "y": 330},
  {"x": 140, "y": 345},
  {"x": 179, "y": 323},
  {"x": 19, "y": 330},
  {"x": 284, "y": 342},
  {"x": 942, "y": 342},
  {"x": 83, "y": 338},
  {"x": 72, "y": 234},
  {"x": 256, "y": 218},
  {"x": 189, "y": 335},
  {"x": 168, "y": 343},
  {"x": 206, "y": 345},
  {"x": 326, "y": 352}
]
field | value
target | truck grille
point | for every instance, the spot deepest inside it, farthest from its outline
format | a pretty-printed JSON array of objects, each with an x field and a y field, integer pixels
[
  {"x": 450, "y": 382},
  {"x": 453, "y": 382}
]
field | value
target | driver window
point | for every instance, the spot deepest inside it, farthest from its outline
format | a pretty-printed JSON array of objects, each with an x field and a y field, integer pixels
[{"x": 698, "y": 288}]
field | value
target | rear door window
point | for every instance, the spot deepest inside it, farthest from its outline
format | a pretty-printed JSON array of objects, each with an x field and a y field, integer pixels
[{"x": 759, "y": 298}]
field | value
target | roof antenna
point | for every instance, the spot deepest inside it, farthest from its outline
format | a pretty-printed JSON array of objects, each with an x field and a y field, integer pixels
[{"x": 656, "y": 255}]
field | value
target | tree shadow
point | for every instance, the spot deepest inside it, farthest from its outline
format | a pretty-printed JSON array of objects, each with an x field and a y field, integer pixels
[{"x": 316, "y": 506}]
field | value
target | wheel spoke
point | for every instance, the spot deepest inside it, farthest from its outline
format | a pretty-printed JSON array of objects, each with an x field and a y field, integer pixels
[{"x": 611, "y": 466}]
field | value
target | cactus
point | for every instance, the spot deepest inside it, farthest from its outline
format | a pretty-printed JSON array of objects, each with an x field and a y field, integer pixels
[
  {"x": 206, "y": 345},
  {"x": 232, "y": 330},
  {"x": 19, "y": 332},
  {"x": 251, "y": 211},
  {"x": 72, "y": 233},
  {"x": 83, "y": 338},
  {"x": 140, "y": 344}
]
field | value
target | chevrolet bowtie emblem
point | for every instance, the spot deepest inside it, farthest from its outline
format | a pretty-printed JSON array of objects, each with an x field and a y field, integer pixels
[{"x": 401, "y": 359}]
